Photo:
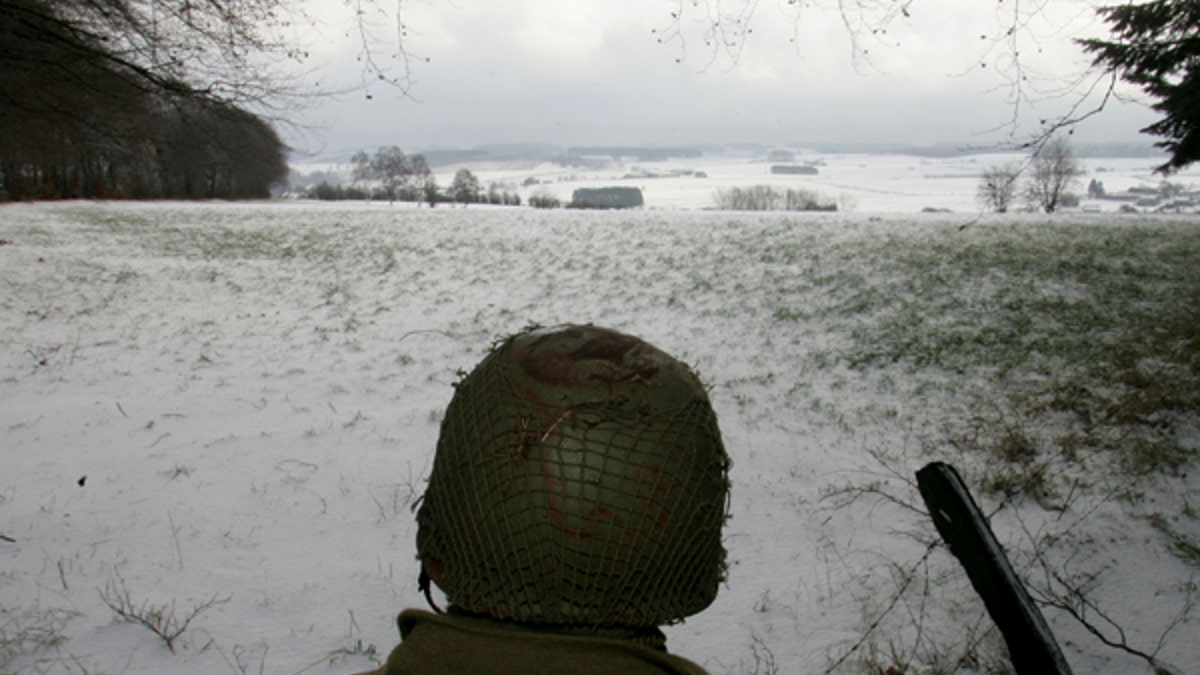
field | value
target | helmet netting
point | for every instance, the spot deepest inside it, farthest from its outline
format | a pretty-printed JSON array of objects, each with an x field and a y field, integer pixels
[{"x": 586, "y": 510}]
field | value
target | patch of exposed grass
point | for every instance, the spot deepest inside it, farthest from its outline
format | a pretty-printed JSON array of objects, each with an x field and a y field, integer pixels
[
  {"x": 1135, "y": 401},
  {"x": 1093, "y": 330},
  {"x": 1035, "y": 297},
  {"x": 29, "y": 634},
  {"x": 1180, "y": 544}
]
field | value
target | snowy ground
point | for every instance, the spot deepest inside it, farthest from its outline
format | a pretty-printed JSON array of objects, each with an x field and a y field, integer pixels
[
  {"x": 860, "y": 183},
  {"x": 234, "y": 407}
]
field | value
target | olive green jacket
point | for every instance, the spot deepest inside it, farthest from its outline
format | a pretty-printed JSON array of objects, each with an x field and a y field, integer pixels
[{"x": 433, "y": 644}]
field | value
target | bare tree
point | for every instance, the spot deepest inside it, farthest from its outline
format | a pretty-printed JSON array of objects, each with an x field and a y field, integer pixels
[
  {"x": 464, "y": 189},
  {"x": 426, "y": 182},
  {"x": 112, "y": 98},
  {"x": 1062, "y": 95},
  {"x": 1053, "y": 169},
  {"x": 998, "y": 187},
  {"x": 361, "y": 170},
  {"x": 392, "y": 167},
  {"x": 725, "y": 27},
  {"x": 224, "y": 51}
]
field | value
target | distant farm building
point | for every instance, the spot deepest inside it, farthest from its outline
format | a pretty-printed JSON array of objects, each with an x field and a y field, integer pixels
[
  {"x": 607, "y": 198},
  {"x": 801, "y": 169}
]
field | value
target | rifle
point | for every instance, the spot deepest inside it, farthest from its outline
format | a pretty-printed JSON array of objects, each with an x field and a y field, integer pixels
[{"x": 963, "y": 527}]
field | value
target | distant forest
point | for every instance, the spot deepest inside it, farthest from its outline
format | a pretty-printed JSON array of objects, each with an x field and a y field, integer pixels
[{"x": 75, "y": 122}]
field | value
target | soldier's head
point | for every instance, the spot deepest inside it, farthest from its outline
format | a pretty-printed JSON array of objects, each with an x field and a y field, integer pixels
[{"x": 579, "y": 479}]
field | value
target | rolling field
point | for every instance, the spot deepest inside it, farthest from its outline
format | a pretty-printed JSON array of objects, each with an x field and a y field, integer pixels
[{"x": 215, "y": 420}]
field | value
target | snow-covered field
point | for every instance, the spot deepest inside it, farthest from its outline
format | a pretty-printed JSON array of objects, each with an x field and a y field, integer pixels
[
  {"x": 859, "y": 183},
  {"x": 226, "y": 412}
]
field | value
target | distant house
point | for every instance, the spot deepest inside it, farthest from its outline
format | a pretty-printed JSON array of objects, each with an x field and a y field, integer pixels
[
  {"x": 1178, "y": 206},
  {"x": 607, "y": 198},
  {"x": 801, "y": 169}
]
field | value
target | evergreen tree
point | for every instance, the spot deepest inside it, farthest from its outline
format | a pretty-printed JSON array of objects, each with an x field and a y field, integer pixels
[{"x": 1156, "y": 46}]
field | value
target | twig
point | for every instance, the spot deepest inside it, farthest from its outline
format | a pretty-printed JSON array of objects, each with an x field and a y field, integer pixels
[
  {"x": 764, "y": 658},
  {"x": 159, "y": 619},
  {"x": 236, "y": 663},
  {"x": 909, "y": 575},
  {"x": 1075, "y": 602},
  {"x": 432, "y": 331},
  {"x": 175, "y": 538}
]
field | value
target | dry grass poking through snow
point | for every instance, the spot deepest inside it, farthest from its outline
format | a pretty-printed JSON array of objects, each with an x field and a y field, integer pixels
[{"x": 239, "y": 402}]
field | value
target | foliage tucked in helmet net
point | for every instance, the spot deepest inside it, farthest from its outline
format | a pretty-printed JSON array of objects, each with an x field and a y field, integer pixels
[{"x": 580, "y": 478}]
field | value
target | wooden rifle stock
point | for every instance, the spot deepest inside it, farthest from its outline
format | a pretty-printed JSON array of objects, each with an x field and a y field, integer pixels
[{"x": 1031, "y": 644}]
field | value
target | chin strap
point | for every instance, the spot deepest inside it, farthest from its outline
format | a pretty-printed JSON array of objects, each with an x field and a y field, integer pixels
[{"x": 424, "y": 584}]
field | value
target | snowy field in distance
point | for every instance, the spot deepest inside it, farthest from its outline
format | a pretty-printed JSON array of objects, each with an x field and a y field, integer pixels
[
  {"x": 238, "y": 403},
  {"x": 862, "y": 183}
]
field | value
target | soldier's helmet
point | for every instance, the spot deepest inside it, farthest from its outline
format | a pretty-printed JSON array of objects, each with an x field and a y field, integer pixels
[{"x": 580, "y": 478}]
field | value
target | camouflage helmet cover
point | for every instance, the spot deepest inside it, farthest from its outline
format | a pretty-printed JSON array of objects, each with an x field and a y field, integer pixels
[{"x": 579, "y": 478}]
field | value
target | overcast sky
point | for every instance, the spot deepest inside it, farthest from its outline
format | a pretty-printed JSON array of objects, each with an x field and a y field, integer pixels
[{"x": 593, "y": 72}]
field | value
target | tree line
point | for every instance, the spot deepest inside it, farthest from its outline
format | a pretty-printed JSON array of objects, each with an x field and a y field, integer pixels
[
  {"x": 150, "y": 97},
  {"x": 771, "y": 198},
  {"x": 80, "y": 118},
  {"x": 1044, "y": 181},
  {"x": 391, "y": 175}
]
